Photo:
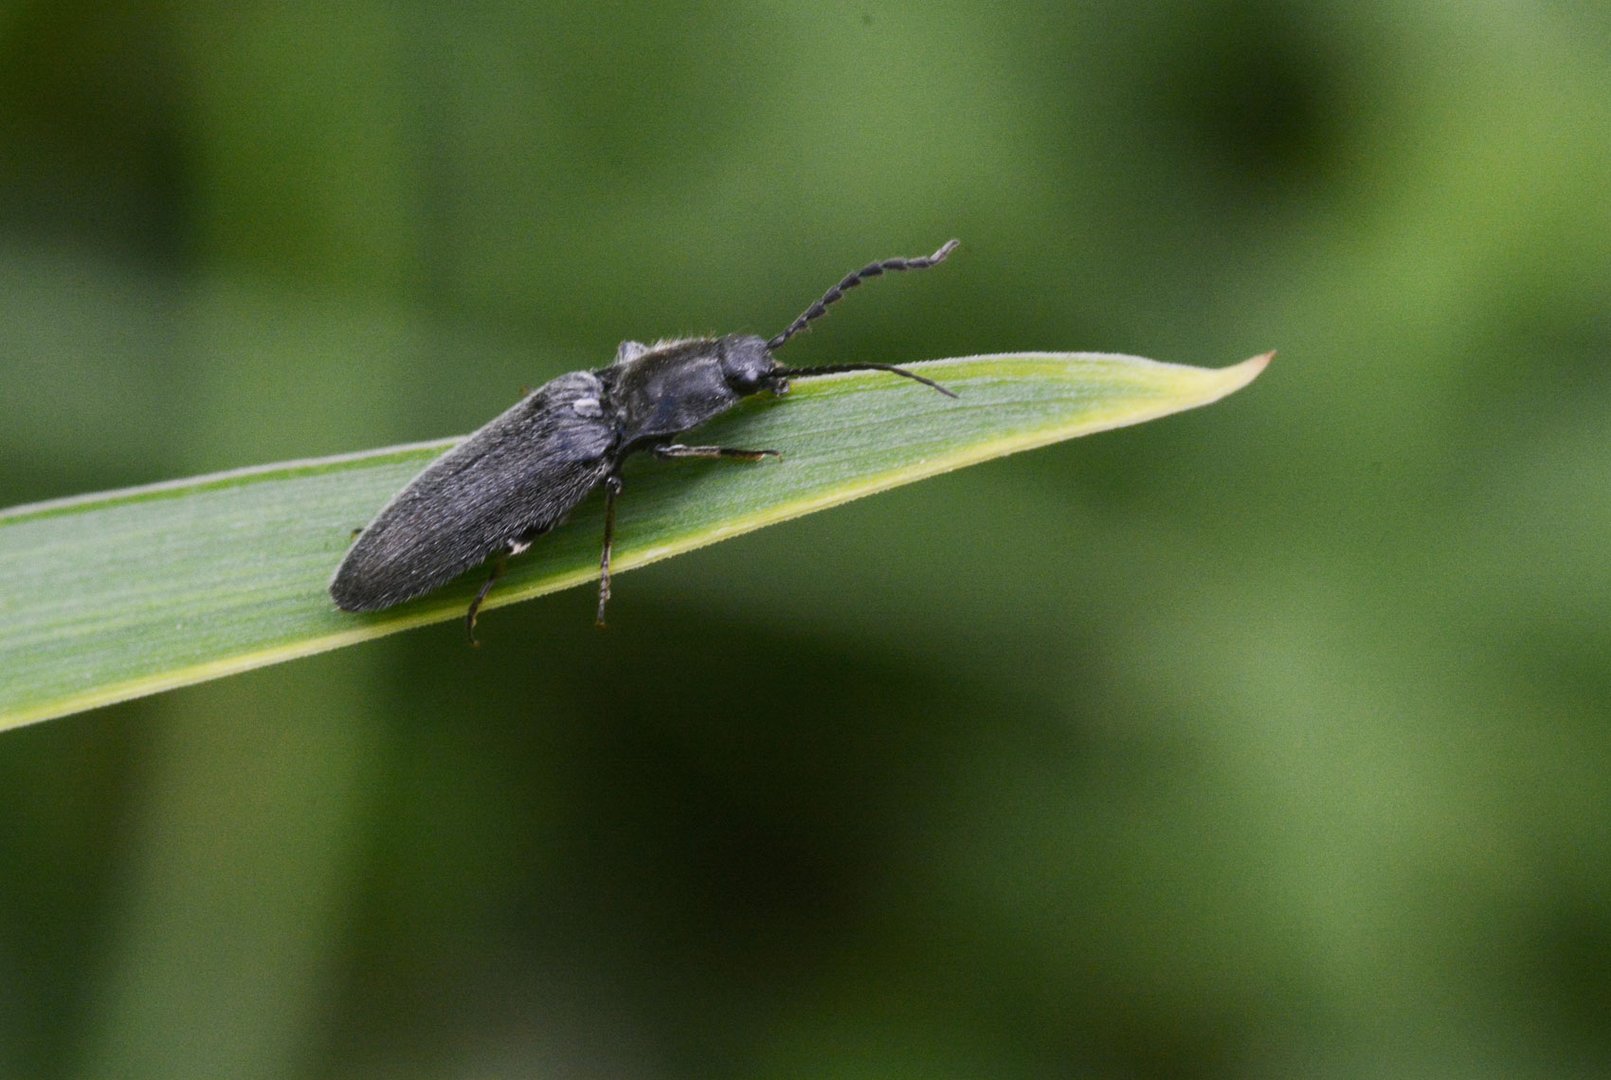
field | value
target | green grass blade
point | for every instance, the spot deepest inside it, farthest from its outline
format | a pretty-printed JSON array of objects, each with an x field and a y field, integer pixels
[{"x": 110, "y": 596}]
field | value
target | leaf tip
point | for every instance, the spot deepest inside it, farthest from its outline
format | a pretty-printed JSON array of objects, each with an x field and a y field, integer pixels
[{"x": 1236, "y": 376}]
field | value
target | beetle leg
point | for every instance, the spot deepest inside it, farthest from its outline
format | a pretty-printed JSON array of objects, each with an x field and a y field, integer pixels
[
  {"x": 475, "y": 605},
  {"x": 677, "y": 450},
  {"x": 515, "y": 547},
  {"x": 612, "y": 489}
]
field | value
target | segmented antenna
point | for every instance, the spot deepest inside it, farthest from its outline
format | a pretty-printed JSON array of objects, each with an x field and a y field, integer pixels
[
  {"x": 809, "y": 372},
  {"x": 872, "y": 270}
]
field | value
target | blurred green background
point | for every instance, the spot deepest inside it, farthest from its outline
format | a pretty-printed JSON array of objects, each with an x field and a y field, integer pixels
[{"x": 1265, "y": 741}]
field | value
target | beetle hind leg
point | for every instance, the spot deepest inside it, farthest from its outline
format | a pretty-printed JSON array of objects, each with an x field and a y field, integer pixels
[
  {"x": 475, "y": 605},
  {"x": 612, "y": 491},
  {"x": 499, "y": 565}
]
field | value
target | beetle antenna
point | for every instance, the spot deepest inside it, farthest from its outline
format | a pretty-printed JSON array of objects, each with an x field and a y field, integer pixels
[
  {"x": 851, "y": 280},
  {"x": 812, "y": 372}
]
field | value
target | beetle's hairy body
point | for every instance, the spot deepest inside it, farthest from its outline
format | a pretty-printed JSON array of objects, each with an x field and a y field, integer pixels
[
  {"x": 520, "y": 475},
  {"x": 517, "y": 477}
]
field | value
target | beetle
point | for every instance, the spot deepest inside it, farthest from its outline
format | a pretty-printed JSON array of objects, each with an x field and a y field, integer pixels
[{"x": 520, "y": 475}]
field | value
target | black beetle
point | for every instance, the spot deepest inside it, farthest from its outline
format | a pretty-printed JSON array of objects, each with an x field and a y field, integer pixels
[{"x": 517, "y": 477}]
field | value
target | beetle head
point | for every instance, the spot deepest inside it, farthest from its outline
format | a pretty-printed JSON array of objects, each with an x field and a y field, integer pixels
[{"x": 747, "y": 364}]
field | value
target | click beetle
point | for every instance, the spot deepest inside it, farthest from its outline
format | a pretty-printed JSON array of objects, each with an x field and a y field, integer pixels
[{"x": 521, "y": 474}]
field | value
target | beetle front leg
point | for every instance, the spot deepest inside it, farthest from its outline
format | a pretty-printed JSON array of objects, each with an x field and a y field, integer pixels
[{"x": 677, "y": 450}]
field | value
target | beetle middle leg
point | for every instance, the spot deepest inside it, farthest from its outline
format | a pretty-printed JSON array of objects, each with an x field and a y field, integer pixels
[
  {"x": 612, "y": 492},
  {"x": 677, "y": 450}
]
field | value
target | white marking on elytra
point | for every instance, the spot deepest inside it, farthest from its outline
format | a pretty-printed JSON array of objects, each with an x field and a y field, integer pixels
[{"x": 588, "y": 407}]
